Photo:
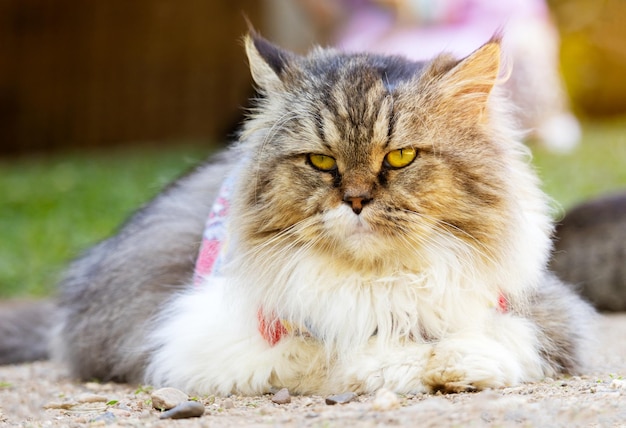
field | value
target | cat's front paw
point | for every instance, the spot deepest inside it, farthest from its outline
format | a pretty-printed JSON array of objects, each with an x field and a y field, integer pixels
[
  {"x": 463, "y": 366},
  {"x": 398, "y": 369}
]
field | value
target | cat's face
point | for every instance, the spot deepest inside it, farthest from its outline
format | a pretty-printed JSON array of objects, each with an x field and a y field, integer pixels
[{"x": 369, "y": 158}]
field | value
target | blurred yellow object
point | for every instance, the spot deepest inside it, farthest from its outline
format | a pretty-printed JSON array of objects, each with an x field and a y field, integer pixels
[{"x": 593, "y": 53}]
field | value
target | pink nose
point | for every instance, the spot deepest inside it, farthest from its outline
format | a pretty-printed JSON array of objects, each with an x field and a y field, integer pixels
[{"x": 357, "y": 202}]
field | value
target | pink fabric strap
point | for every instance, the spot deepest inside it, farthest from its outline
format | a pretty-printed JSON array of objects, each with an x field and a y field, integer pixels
[
  {"x": 214, "y": 239},
  {"x": 212, "y": 253}
]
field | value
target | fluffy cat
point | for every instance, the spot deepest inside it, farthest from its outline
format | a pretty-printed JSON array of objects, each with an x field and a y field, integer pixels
[{"x": 384, "y": 229}]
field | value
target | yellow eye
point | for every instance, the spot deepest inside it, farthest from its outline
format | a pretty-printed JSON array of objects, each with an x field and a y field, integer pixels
[
  {"x": 323, "y": 162},
  {"x": 400, "y": 158}
]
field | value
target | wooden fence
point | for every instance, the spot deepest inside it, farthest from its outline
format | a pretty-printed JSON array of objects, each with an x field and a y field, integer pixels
[{"x": 85, "y": 73}]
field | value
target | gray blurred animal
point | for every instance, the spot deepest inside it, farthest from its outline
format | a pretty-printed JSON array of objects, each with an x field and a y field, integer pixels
[{"x": 590, "y": 251}]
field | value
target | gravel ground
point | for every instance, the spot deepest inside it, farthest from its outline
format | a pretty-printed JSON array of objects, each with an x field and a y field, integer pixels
[{"x": 38, "y": 394}]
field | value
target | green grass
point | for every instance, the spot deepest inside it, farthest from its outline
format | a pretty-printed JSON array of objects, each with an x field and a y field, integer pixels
[
  {"x": 53, "y": 208},
  {"x": 597, "y": 166}
]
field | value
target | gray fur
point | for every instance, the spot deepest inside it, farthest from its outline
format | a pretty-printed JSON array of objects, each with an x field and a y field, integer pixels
[
  {"x": 590, "y": 251},
  {"x": 109, "y": 295},
  {"x": 564, "y": 322},
  {"x": 25, "y": 323}
]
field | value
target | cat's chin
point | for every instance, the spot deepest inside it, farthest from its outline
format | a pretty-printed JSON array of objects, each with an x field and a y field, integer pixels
[
  {"x": 354, "y": 234},
  {"x": 345, "y": 224},
  {"x": 361, "y": 229}
]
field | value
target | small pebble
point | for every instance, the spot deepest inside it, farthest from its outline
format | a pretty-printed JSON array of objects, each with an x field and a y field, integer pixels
[
  {"x": 228, "y": 404},
  {"x": 63, "y": 406},
  {"x": 386, "y": 400},
  {"x": 167, "y": 398},
  {"x": 87, "y": 408},
  {"x": 188, "y": 409},
  {"x": 618, "y": 384},
  {"x": 121, "y": 412},
  {"x": 344, "y": 398},
  {"x": 91, "y": 398},
  {"x": 282, "y": 397}
]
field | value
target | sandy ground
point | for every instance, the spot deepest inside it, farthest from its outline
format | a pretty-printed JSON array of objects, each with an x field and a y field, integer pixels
[{"x": 38, "y": 394}]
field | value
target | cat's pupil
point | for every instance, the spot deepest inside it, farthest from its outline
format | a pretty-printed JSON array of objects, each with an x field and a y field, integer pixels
[{"x": 400, "y": 158}]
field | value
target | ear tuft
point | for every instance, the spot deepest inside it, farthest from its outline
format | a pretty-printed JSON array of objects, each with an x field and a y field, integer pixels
[
  {"x": 475, "y": 76},
  {"x": 267, "y": 61}
]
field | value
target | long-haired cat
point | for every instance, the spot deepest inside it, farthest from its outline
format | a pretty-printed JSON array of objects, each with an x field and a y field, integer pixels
[{"x": 377, "y": 225}]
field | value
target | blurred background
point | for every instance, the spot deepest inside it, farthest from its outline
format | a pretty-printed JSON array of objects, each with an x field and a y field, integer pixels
[{"x": 104, "y": 102}]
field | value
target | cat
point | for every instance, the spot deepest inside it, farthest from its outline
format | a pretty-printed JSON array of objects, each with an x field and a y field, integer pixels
[
  {"x": 376, "y": 225},
  {"x": 590, "y": 250}
]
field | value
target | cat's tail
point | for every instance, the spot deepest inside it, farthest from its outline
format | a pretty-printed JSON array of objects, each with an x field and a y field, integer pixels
[
  {"x": 566, "y": 327},
  {"x": 25, "y": 330}
]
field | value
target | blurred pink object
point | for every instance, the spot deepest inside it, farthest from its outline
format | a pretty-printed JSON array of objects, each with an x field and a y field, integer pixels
[{"x": 455, "y": 26}]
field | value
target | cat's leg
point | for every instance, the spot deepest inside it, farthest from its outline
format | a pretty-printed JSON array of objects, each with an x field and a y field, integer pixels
[
  {"x": 397, "y": 367},
  {"x": 308, "y": 369},
  {"x": 500, "y": 353},
  {"x": 208, "y": 342},
  {"x": 503, "y": 353},
  {"x": 547, "y": 335}
]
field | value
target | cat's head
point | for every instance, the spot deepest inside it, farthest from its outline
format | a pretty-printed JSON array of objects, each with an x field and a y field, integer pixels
[{"x": 378, "y": 160}]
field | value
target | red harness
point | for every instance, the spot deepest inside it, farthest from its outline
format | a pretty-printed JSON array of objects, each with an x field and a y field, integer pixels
[{"x": 273, "y": 331}]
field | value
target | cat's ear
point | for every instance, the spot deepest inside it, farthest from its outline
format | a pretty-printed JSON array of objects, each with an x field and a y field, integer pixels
[
  {"x": 473, "y": 78},
  {"x": 267, "y": 61}
]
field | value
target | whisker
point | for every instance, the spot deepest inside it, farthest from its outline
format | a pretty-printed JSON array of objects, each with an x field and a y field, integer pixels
[
  {"x": 439, "y": 244},
  {"x": 442, "y": 226},
  {"x": 271, "y": 133},
  {"x": 427, "y": 243},
  {"x": 284, "y": 241}
]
